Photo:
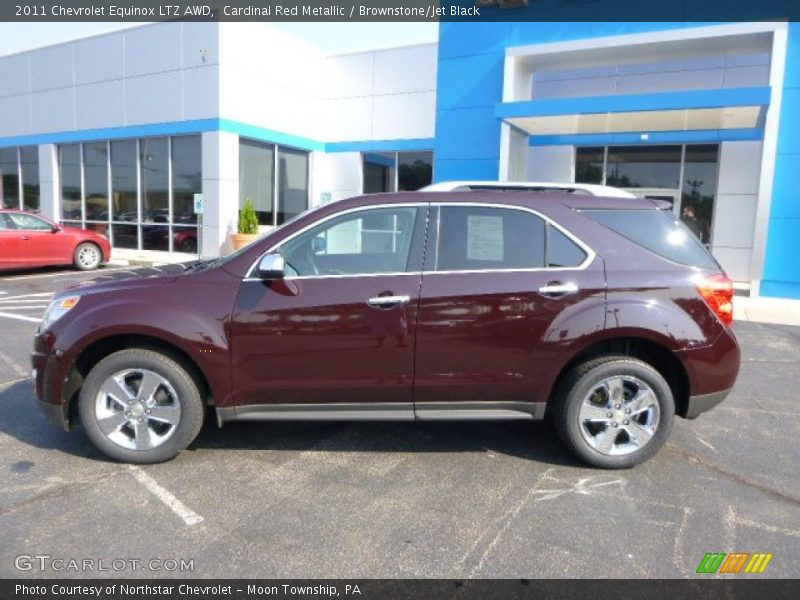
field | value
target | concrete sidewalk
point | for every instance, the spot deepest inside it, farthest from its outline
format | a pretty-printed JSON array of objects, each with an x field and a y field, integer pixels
[{"x": 778, "y": 311}]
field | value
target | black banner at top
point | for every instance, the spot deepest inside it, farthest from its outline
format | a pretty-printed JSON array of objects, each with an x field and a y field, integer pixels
[{"x": 397, "y": 10}]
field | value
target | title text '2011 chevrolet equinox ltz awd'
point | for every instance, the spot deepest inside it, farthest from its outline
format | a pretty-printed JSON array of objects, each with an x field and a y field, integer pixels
[{"x": 604, "y": 312}]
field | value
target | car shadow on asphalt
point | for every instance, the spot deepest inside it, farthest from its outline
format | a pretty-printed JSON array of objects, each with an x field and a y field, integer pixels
[{"x": 22, "y": 420}]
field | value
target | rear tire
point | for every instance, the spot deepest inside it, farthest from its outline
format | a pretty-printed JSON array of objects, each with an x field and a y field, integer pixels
[
  {"x": 140, "y": 406},
  {"x": 614, "y": 412},
  {"x": 87, "y": 257}
]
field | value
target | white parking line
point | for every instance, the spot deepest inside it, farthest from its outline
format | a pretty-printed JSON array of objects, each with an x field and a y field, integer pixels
[
  {"x": 20, "y": 317},
  {"x": 179, "y": 508},
  {"x": 61, "y": 274},
  {"x": 25, "y": 296}
]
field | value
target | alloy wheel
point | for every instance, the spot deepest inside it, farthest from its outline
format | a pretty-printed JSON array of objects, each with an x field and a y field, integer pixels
[
  {"x": 619, "y": 415},
  {"x": 137, "y": 409}
]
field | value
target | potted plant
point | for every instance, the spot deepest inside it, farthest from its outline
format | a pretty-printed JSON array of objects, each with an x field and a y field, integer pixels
[{"x": 248, "y": 226}]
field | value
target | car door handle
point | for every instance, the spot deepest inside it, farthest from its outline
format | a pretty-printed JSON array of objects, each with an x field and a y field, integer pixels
[
  {"x": 556, "y": 288},
  {"x": 387, "y": 301},
  {"x": 25, "y": 237}
]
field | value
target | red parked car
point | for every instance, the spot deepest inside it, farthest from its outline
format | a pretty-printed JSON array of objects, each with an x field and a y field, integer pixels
[
  {"x": 28, "y": 240},
  {"x": 606, "y": 312}
]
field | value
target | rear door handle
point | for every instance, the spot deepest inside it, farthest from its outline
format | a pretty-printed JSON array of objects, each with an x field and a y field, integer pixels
[
  {"x": 387, "y": 301},
  {"x": 25, "y": 237},
  {"x": 556, "y": 288}
]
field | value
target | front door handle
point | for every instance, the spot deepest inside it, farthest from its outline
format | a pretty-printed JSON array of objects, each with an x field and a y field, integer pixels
[
  {"x": 388, "y": 301},
  {"x": 556, "y": 288},
  {"x": 25, "y": 237}
]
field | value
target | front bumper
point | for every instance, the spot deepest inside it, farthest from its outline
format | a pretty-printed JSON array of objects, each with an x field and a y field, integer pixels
[
  {"x": 697, "y": 405},
  {"x": 50, "y": 382}
]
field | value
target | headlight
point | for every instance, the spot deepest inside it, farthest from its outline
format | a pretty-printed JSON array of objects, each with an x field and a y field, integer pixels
[{"x": 58, "y": 308}]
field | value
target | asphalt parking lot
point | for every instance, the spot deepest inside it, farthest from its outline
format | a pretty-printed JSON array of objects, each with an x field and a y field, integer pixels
[{"x": 403, "y": 499}]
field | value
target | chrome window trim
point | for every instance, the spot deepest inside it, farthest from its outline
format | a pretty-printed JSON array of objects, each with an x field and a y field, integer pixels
[{"x": 590, "y": 254}]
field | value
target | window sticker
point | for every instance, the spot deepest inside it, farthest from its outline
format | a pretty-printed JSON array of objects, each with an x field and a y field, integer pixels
[{"x": 484, "y": 238}]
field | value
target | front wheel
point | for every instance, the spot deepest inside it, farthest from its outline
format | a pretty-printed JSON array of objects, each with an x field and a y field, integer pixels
[
  {"x": 87, "y": 256},
  {"x": 614, "y": 412},
  {"x": 140, "y": 406}
]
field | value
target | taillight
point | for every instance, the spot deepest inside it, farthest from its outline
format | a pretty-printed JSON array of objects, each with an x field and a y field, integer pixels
[{"x": 717, "y": 291}]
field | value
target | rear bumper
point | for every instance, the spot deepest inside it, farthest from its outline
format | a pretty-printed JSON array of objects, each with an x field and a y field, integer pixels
[{"x": 697, "y": 405}]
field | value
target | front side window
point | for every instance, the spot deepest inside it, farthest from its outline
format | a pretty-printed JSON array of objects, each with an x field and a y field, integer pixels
[
  {"x": 475, "y": 238},
  {"x": 370, "y": 241},
  {"x": 29, "y": 222}
]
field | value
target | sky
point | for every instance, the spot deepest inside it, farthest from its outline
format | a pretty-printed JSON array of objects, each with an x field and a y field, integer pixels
[{"x": 331, "y": 37}]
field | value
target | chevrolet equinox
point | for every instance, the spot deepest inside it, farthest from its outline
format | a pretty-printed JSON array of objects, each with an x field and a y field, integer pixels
[{"x": 606, "y": 314}]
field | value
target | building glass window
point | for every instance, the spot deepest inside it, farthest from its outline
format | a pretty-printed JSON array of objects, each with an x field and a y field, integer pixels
[
  {"x": 589, "y": 164},
  {"x": 69, "y": 164},
  {"x": 124, "y": 204},
  {"x": 396, "y": 171},
  {"x": 105, "y": 183},
  {"x": 187, "y": 180},
  {"x": 95, "y": 173},
  {"x": 379, "y": 172},
  {"x": 644, "y": 167},
  {"x": 274, "y": 179},
  {"x": 9, "y": 178},
  {"x": 684, "y": 175},
  {"x": 29, "y": 163},
  {"x": 257, "y": 178},
  {"x": 292, "y": 183},
  {"x": 699, "y": 189}
]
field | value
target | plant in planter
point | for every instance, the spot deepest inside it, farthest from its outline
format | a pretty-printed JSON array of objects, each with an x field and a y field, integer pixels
[{"x": 248, "y": 226}]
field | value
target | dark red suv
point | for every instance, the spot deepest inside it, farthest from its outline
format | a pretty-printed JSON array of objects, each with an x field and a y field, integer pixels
[{"x": 605, "y": 312}]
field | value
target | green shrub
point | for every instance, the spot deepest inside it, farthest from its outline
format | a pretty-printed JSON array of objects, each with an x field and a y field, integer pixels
[{"x": 248, "y": 219}]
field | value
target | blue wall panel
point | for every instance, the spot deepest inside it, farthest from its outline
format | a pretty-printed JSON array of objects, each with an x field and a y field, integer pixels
[{"x": 781, "y": 264}]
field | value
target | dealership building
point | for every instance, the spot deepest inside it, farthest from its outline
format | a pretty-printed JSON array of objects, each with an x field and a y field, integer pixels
[{"x": 118, "y": 132}]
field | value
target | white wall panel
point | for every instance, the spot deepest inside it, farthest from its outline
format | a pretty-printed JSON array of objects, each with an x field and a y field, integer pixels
[
  {"x": 100, "y": 58},
  {"x": 349, "y": 119},
  {"x": 14, "y": 75},
  {"x": 15, "y": 115},
  {"x": 201, "y": 93},
  {"x": 53, "y": 110},
  {"x": 349, "y": 75},
  {"x": 52, "y": 67},
  {"x": 734, "y": 220},
  {"x": 403, "y": 70},
  {"x": 154, "y": 98},
  {"x": 739, "y": 167},
  {"x": 200, "y": 44},
  {"x": 735, "y": 261},
  {"x": 100, "y": 105},
  {"x": 153, "y": 49},
  {"x": 550, "y": 163},
  {"x": 404, "y": 116}
]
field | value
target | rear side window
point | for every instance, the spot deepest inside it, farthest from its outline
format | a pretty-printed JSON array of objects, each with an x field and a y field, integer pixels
[
  {"x": 561, "y": 251},
  {"x": 480, "y": 238},
  {"x": 659, "y": 232}
]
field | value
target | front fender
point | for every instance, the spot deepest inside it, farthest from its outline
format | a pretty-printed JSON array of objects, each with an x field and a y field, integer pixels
[{"x": 202, "y": 339}]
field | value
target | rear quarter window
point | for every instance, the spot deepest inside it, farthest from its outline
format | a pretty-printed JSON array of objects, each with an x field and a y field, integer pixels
[{"x": 658, "y": 231}]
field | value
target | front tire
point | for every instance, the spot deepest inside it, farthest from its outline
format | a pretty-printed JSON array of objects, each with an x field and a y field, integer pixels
[
  {"x": 88, "y": 256},
  {"x": 140, "y": 406},
  {"x": 614, "y": 412}
]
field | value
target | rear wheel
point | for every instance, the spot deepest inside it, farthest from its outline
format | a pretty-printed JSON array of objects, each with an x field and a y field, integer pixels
[
  {"x": 614, "y": 412},
  {"x": 87, "y": 256},
  {"x": 140, "y": 406}
]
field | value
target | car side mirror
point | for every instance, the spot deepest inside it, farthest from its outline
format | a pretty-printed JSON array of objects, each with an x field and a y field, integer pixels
[
  {"x": 57, "y": 229},
  {"x": 271, "y": 266}
]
